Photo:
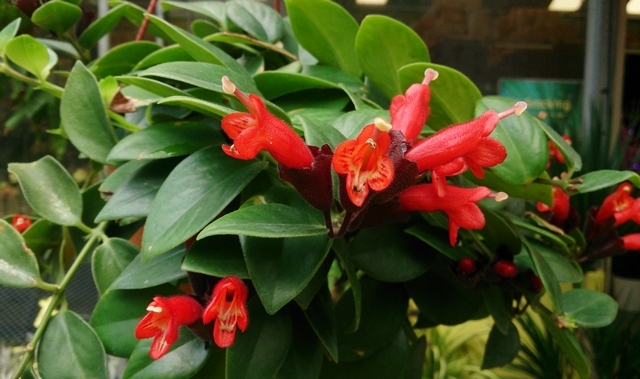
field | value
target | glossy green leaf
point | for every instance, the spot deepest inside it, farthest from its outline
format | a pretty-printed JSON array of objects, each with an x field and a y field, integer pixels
[
  {"x": 200, "y": 50},
  {"x": 318, "y": 281},
  {"x": 212, "y": 9},
  {"x": 205, "y": 107},
  {"x": 322, "y": 318},
  {"x": 335, "y": 76},
  {"x": 597, "y": 180},
  {"x": 386, "y": 363},
  {"x": 218, "y": 256},
  {"x": 165, "y": 140},
  {"x": 122, "y": 58},
  {"x": 84, "y": 116},
  {"x": 18, "y": 265},
  {"x": 118, "y": 312},
  {"x": 549, "y": 280},
  {"x": 327, "y": 31},
  {"x": 278, "y": 270},
  {"x": 110, "y": 259},
  {"x": 159, "y": 270},
  {"x": 154, "y": 86},
  {"x": 531, "y": 191},
  {"x": 257, "y": 19},
  {"x": 7, "y": 34},
  {"x": 274, "y": 84},
  {"x": 183, "y": 360},
  {"x": 414, "y": 367},
  {"x": 384, "y": 309},
  {"x": 193, "y": 194},
  {"x": 501, "y": 348},
  {"x": 305, "y": 355},
  {"x": 522, "y": 136},
  {"x": 499, "y": 305},
  {"x": 214, "y": 367},
  {"x": 383, "y": 46},
  {"x": 342, "y": 252},
  {"x": 267, "y": 220},
  {"x": 561, "y": 266},
  {"x": 172, "y": 53},
  {"x": 439, "y": 240},
  {"x": 42, "y": 236},
  {"x": 57, "y": 16},
  {"x": 70, "y": 348},
  {"x": 30, "y": 54},
  {"x": 352, "y": 123},
  {"x": 571, "y": 157},
  {"x": 49, "y": 190},
  {"x": 388, "y": 254},
  {"x": 102, "y": 26},
  {"x": 499, "y": 231},
  {"x": 453, "y": 95},
  {"x": 112, "y": 182},
  {"x": 260, "y": 350},
  {"x": 569, "y": 345},
  {"x": 318, "y": 132},
  {"x": 590, "y": 309}
]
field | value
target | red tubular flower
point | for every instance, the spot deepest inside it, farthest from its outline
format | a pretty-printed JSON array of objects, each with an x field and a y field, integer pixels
[
  {"x": 616, "y": 203},
  {"x": 629, "y": 213},
  {"x": 162, "y": 322},
  {"x": 631, "y": 241},
  {"x": 458, "y": 203},
  {"x": 409, "y": 112},
  {"x": 454, "y": 149},
  {"x": 364, "y": 161},
  {"x": 21, "y": 222},
  {"x": 228, "y": 308},
  {"x": 560, "y": 207},
  {"x": 260, "y": 130}
]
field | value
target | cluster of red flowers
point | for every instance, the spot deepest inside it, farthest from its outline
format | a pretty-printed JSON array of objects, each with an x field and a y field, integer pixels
[
  {"x": 227, "y": 307},
  {"x": 380, "y": 169}
]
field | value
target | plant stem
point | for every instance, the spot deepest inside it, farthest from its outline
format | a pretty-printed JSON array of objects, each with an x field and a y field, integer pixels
[
  {"x": 122, "y": 122},
  {"x": 6, "y": 69},
  {"x": 57, "y": 297},
  {"x": 145, "y": 23}
]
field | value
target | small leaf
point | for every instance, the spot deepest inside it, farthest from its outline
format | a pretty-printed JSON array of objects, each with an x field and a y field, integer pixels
[
  {"x": 569, "y": 346},
  {"x": 110, "y": 259},
  {"x": 590, "y": 309},
  {"x": 102, "y": 26},
  {"x": 598, "y": 180},
  {"x": 501, "y": 348},
  {"x": 260, "y": 350},
  {"x": 318, "y": 133},
  {"x": 121, "y": 59},
  {"x": 84, "y": 116},
  {"x": 257, "y": 19},
  {"x": 57, "y": 16},
  {"x": 383, "y": 46},
  {"x": 18, "y": 265},
  {"x": 547, "y": 277},
  {"x": 218, "y": 256},
  {"x": 322, "y": 318},
  {"x": 29, "y": 54},
  {"x": 327, "y": 31},
  {"x": 7, "y": 34},
  {"x": 499, "y": 307},
  {"x": 69, "y": 336},
  {"x": 49, "y": 190},
  {"x": 160, "y": 270}
]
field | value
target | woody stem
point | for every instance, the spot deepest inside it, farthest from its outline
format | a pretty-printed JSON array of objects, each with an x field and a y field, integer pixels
[{"x": 145, "y": 23}]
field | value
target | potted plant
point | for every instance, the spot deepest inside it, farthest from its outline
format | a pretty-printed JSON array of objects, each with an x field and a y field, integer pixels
[{"x": 299, "y": 180}]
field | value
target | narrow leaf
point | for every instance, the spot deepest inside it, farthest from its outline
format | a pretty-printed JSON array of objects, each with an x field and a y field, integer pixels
[{"x": 598, "y": 180}]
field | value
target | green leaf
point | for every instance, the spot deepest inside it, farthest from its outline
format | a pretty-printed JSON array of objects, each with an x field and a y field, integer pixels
[
  {"x": 571, "y": 157},
  {"x": 439, "y": 240},
  {"x": 70, "y": 348},
  {"x": 42, "y": 235},
  {"x": 102, "y": 26},
  {"x": 136, "y": 15},
  {"x": 278, "y": 271},
  {"x": 110, "y": 259},
  {"x": 569, "y": 346},
  {"x": 384, "y": 309},
  {"x": 260, "y": 350},
  {"x": 383, "y": 46},
  {"x": 266, "y": 220},
  {"x": 598, "y": 180},
  {"x": 453, "y": 95},
  {"x": 386, "y": 253},
  {"x": 318, "y": 132},
  {"x": 57, "y": 16},
  {"x": 194, "y": 193},
  {"x": 49, "y": 190},
  {"x": 119, "y": 176},
  {"x": 186, "y": 356},
  {"x": 118, "y": 312},
  {"x": 200, "y": 50},
  {"x": 160, "y": 270},
  {"x": 121, "y": 59},
  {"x": 7, "y": 35},
  {"x": 547, "y": 277},
  {"x": 531, "y": 191},
  {"x": 257, "y": 19},
  {"x": 318, "y": 281},
  {"x": 165, "y": 140},
  {"x": 212, "y": 9},
  {"x": 18, "y": 265},
  {"x": 274, "y": 84},
  {"x": 524, "y": 139},
  {"x": 150, "y": 85},
  {"x": 589, "y": 309},
  {"x": 322, "y": 318},
  {"x": 499, "y": 307},
  {"x": 327, "y": 31},
  {"x": 342, "y": 252},
  {"x": 562, "y": 267},
  {"x": 499, "y": 231},
  {"x": 351, "y": 124},
  {"x": 501, "y": 348},
  {"x": 218, "y": 256},
  {"x": 84, "y": 116},
  {"x": 305, "y": 357},
  {"x": 335, "y": 76},
  {"x": 31, "y": 55},
  {"x": 205, "y": 107},
  {"x": 172, "y": 53}
]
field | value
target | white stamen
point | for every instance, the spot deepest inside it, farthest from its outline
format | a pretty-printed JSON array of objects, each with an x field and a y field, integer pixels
[
  {"x": 371, "y": 142},
  {"x": 382, "y": 124},
  {"x": 151, "y": 308},
  {"x": 501, "y": 196},
  {"x": 430, "y": 75},
  {"x": 520, "y": 107},
  {"x": 227, "y": 85}
]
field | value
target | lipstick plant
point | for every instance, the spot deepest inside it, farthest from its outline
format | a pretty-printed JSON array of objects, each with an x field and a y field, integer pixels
[{"x": 297, "y": 181}]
